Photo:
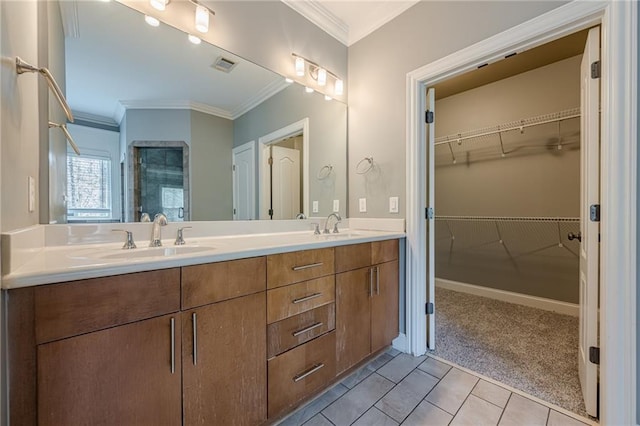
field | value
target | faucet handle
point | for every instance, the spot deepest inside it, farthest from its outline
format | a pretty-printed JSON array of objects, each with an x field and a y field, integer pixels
[
  {"x": 144, "y": 217},
  {"x": 179, "y": 239},
  {"x": 129, "y": 243},
  {"x": 335, "y": 228},
  {"x": 316, "y": 230}
]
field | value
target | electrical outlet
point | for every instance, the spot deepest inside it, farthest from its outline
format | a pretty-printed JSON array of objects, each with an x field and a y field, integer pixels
[
  {"x": 362, "y": 202},
  {"x": 32, "y": 194},
  {"x": 336, "y": 206},
  {"x": 393, "y": 204},
  {"x": 315, "y": 207}
]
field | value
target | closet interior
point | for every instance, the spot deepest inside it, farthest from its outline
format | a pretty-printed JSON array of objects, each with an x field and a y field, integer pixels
[{"x": 507, "y": 198}]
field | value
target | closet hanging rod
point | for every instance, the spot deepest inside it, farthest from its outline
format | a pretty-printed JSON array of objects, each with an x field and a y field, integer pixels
[
  {"x": 22, "y": 67},
  {"x": 508, "y": 219},
  {"x": 514, "y": 125}
]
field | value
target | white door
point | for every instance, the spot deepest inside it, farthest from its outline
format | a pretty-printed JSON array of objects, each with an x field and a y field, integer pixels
[
  {"x": 589, "y": 229},
  {"x": 285, "y": 182},
  {"x": 244, "y": 181},
  {"x": 430, "y": 176}
]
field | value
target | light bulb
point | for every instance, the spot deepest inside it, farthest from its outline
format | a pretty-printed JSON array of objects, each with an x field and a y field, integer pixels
[
  {"x": 151, "y": 20},
  {"x": 299, "y": 67},
  {"x": 322, "y": 76},
  {"x": 193, "y": 39},
  {"x": 327, "y": 98},
  {"x": 159, "y": 4},
  {"x": 339, "y": 87},
  {"x": 288, "y": 80},
  {"x": 308, "y": 89},
  {"x": 202, "y": 19}
]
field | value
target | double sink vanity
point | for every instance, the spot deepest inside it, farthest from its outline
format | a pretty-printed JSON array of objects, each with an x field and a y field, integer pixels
[{"x": 235, "y": 329}]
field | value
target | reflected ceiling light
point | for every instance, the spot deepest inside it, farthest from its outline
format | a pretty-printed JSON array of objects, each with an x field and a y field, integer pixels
[
  {"x": 322, "y": 76},
  {"x": 159, "y": 4},
  {"x": 308, "y": 89},
  {"x": 288, "y": 80},
  {"x": 193, "y": 39},
  {"x": 202, "y": 19},
  {"x": 339, "y": 87},
  {"x": 151, "y": 20},
  {"x": 299, "y": 66},
  {"x": 327, "y": 98}
]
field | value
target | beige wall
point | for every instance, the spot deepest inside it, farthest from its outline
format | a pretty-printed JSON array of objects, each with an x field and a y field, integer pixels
[
  {"x": 378, "y": 65},
  {"x": 534, "y": 179}
]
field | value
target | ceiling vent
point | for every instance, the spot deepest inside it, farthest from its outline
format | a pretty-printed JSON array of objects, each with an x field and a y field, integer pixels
[{"x": 224, "y": 64}]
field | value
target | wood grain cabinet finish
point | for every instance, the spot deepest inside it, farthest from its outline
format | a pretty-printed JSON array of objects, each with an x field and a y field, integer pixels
[
  {"x": 215, "y": 282},
  {"x": 118, "y": 376},
  {"x": 294, "y": 331},
  {"x": 294, "y": 267},
  {"x": 300, "y": 372},
  {"x": 352, "y": 257},
  {"x": 384, "y": 251},
  {"x": 293, "y": 299},
  {"x": 224, "y": 362},
  {"x": 68, "y": 309},
  {"x": 385, "y": 306}
]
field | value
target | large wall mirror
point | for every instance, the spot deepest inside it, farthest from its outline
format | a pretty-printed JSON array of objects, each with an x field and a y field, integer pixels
[{"x": 167, "y": 125}]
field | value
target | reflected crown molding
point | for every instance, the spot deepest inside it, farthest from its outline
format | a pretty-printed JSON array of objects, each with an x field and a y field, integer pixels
[
  {"x": 70, "y": 22},
  {"x": 246, "y": 106},
  {"x": 322, "y": 17}
]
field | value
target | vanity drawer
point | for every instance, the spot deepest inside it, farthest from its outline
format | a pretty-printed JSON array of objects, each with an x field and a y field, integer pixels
[
  {"x": 294, "y": 299},
  {"x": 215, "y": 282},
  {"x": 354, "y": 256},
  {"x": 384, "y": 251},
  {"x": 300, "y": 372},
  {"x": 294, "y": 267},
  {"x": 78, "y": 307},
  {"x": 291, "y": 332}
]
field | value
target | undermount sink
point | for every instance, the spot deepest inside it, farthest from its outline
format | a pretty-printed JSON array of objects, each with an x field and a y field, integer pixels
[
  {"x": 156, "y": 252},
  {"x": 341, "y": 235}
]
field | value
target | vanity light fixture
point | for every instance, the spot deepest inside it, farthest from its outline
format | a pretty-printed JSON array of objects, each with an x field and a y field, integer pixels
[
  {"x": 308, "y": 89},
  {"x": 288, "y": 80},
  {"x": 193, "y": 39},
  {"x": 327, "y": 98},
  {"x": 318, "y": 73},
  {"x": 151, "y": 20},
  {"x": 159, "y": 4},
  {"x": 202, "y": 19}
]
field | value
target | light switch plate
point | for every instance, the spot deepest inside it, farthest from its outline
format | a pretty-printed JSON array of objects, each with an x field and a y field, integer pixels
[
  {"x": 314, "y": 208},
  {"x": 393, "y": 204},
  {"x": 362, "y": 203},
  {"x": 32, "y": 194},
  {"x": 336, "y": 206}
]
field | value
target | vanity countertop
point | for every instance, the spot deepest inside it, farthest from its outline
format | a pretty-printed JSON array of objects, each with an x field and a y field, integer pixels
[{"x": 52, "y": 264}]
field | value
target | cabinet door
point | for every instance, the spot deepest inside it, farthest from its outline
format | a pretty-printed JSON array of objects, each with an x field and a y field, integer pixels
[
  {"x": 225, "y": 362},
  {"x": 353, "y": 317},
  {"x": 119, "y": 376},
  {"x": 384, "y": 305}
]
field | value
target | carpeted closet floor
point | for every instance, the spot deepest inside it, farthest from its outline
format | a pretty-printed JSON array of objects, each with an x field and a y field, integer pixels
[{"x": 529, "y": 349}]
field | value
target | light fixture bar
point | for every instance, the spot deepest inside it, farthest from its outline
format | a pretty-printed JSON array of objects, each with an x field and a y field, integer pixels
[{"x": 313, "y": 64}]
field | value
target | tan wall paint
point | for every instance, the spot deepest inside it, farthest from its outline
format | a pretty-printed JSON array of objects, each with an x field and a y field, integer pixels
[{"x": 544, "y": 182}]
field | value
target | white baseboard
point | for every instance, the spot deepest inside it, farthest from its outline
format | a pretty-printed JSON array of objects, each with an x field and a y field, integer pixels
[
  {"x": 511, "y": 297},
  {"x": 400, "y": 343}
]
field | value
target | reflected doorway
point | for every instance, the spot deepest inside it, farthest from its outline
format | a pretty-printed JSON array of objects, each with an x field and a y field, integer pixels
[{"x": 159, "y": 172}]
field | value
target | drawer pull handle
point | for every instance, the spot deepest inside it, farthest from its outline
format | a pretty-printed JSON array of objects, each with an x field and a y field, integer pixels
[
  {"x": 173, "y": 345},
  {"x": 304, "y": 330},
  {"x": 311, "y": 265},
  {"x": 308, "y": 372},
  {"x": 305, "y": 298}
]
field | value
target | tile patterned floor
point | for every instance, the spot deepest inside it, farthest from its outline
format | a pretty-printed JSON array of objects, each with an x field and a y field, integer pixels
[{"x": 398, "y": 389}]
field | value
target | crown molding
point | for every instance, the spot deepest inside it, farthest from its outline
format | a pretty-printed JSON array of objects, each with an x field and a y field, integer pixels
[
  {"x": 69, "y": 15},
  {"x": 321, "y": 17},
  {"x": 268, "y": 91},
  {"x": 363, "y": 31},
  {"x": 207, "y": 109},
  {"x": 93, "y": 118}
]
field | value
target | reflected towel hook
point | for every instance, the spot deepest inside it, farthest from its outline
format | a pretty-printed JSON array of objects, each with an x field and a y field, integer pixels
[
  {"x": 366, "y": 168},
  {"x": 324, "y": 172},
  {"x": 64, "y": 129},
  {"x": 22, "y": 67}
]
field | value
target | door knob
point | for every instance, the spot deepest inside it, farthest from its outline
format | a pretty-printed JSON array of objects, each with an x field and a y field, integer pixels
[{"x": 573, "y": 236}]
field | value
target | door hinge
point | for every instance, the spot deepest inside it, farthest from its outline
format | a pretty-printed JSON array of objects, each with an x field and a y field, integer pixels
[
  {"x": 594, "y": 213},
  {"x": 270, "y": 212},
  {"x": 594, "y": 355},
  {"x": 271, "y": 161},
  {"x": 428, "y": 308},
  {"x": 428, "y": 117},
  {"x": 595, "y": 69},
  {"x": 428, "y": 213},
  {"x": 234, "y": 211},
  {"x": 233, "y": 167}
]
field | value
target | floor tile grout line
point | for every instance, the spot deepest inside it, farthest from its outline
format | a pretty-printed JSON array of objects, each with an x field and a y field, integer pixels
[
  {"x": 465, "y": 400},
  {"x": 423, "y": 400},
  {"x": 505, "y": 408},
  {"x": 548, "y": 415},
  {"x": 486, "y": 400},
  {"x": 325, "y": 417},
  {"x": 547, "y": 404}
]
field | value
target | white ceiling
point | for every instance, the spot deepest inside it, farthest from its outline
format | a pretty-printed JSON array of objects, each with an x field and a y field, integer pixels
[{"x": 350, "y": 20}]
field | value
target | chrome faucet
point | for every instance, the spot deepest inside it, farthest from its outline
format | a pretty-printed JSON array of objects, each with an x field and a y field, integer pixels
[
  {"x": 335, "y": 226},
  {"x": 158, "y": 220}
]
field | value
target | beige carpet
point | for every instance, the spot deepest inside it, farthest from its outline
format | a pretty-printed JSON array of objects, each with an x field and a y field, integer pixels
[{"x": 529, "y": 349}]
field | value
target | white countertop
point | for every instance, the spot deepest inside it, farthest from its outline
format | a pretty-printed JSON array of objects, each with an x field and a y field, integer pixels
[{"x": 51, "y": 264}]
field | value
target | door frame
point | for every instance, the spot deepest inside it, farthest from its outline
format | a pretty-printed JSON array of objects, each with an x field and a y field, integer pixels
[
  {"x": 276, "y": 136},
  {"x": 619, "y": 136},
  {"x": 249, "y": 146}
]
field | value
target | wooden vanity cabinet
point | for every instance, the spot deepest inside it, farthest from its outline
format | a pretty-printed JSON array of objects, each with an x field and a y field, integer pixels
[
  {"x": 224, "y": 343},
  {"x": 367, "y": 284}
]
